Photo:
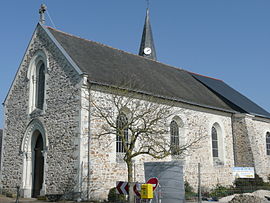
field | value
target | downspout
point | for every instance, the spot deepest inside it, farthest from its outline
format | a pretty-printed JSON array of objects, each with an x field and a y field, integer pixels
[
  {"x": 2, "y": 148},
  {"x": 233, "y": 138},
  {"x": 89, "y": 139}
]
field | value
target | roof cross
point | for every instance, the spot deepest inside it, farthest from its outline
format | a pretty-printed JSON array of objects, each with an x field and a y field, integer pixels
[{"x": 42, "y": 10}]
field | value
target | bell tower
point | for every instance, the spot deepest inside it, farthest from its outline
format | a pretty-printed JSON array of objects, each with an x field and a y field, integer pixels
[{"x": 147, "y": 47}]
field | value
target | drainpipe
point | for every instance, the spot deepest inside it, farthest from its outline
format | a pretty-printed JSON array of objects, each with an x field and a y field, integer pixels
[
  {"x": 234, "y": 141},
  {"x": 89, "y": 139},
  {"x": 2, "y": 148}
]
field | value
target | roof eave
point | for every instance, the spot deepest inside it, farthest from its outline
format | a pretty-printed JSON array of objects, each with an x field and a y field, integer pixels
[
  {"x": 260, "y": 115},
  {"x": 163, "y": 97}
]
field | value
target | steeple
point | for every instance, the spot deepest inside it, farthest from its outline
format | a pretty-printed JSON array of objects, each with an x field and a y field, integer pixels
[{"x": 147, "y": 48}]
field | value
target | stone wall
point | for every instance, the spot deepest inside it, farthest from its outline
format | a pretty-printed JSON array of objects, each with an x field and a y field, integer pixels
[
  {"x": 250, "y": 143},
  {"x": 242, "y": 143},
  {"x": 60, "y": 120},
  {"x": 212, "y": 173},
  {"x": 197, "y": 122},
  {"x": 257, "y": 132}
]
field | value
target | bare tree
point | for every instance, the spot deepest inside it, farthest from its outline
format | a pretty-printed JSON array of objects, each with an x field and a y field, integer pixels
[{"x": 140, "y": 123}]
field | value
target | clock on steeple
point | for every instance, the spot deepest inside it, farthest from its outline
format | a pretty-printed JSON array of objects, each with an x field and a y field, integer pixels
[{"x": 147, "y": 47}]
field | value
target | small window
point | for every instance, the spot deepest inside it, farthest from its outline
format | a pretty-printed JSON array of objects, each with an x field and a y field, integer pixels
[
  {"x": 214, "y": 142},
  {"x": 268, "y": 143},
  {"x": 122, "y": 129},
  {"x": 174, "y": 131}
]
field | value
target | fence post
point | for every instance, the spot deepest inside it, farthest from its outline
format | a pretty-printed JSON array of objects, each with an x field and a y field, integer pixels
[
  {"x": 159, "y": 193},
  {"x": 199, "y": 184},
  {"x": 18, "y": 194},
  {"x": 81, "y": 182}
]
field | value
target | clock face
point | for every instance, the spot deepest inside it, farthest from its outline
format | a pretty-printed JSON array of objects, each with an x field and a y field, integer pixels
[{"x": 147, "y": 50}]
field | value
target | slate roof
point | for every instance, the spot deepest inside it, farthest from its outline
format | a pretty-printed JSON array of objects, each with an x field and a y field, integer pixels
[
  {"x": 230, "y": 95},
  {"x": 112, "y": 67}
]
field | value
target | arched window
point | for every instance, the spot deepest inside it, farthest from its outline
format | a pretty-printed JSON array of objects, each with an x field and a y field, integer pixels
[
  {"x": 214, "y": 142},
  {"x": 122, "y": 133},
  {"x": 37, "y": 80},
  {"x": 268, "y": 143},
  {"x": 217, "y": 144},
  {"x": 40, "y": 85},
  {"x": 174, "y": 131}
]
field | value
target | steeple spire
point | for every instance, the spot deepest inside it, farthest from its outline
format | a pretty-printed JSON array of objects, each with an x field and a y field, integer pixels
[{"x": 147, "y": 48}]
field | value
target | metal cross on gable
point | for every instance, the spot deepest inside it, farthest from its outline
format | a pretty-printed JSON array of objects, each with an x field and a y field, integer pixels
[{"x": 42, "y": 10}]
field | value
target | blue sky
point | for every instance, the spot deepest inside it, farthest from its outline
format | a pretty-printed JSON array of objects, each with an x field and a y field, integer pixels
[{"x": 225, "y": 39}]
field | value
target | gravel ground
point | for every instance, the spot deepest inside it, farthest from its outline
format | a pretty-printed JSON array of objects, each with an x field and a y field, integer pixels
[
  {"x": 259, "y": 193},
  {"x": 4, "y": 199}
]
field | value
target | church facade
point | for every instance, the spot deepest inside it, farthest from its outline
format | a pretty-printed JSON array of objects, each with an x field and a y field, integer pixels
[{"x": 47, "y": 137}]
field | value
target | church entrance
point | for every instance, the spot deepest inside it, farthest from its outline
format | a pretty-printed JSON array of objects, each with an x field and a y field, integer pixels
[
  {"x": 34, "y": 148},
  {"x": 38, "y": 165}
]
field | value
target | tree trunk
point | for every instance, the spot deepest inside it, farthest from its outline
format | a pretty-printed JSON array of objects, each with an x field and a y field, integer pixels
[{"x": 130, "y": 182}]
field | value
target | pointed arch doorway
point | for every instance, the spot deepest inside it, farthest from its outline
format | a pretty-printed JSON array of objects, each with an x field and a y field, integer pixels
[
  {"x": 38, "y": 164},
  {"x": 34, "y": 150}
]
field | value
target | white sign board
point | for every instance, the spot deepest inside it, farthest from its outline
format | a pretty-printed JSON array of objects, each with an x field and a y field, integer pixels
[{"x": 243, "y": 172}]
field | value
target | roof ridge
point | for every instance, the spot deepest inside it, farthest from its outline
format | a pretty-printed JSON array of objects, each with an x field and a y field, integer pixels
[
  {"x": 205, "y": 76},
  {"x": 145, "y": 58},
  {"x": 105, "y": 45}
]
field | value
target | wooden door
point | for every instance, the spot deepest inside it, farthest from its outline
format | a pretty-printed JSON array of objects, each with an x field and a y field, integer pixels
[{"x": 38, "y": 167}]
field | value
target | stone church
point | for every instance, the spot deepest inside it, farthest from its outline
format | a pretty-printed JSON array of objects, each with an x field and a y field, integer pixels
[{"x": 47, "y": 145}]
